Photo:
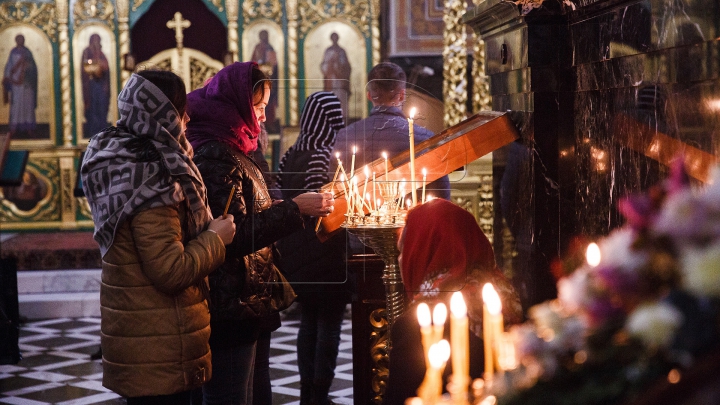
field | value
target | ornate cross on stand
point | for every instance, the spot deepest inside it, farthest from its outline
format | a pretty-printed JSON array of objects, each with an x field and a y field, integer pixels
[{"x": 178, "y": 24}]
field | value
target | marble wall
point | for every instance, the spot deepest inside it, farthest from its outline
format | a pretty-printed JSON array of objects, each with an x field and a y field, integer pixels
[{"x": 605, "y": 96}]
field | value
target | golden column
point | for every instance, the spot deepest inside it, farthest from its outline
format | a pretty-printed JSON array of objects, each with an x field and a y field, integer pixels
[
  {"x": 64, "y": 44},
  {"x": 291, "y": 7},
  {"x": 481, "y": 89},
  {"x": 231, "y": 7},
  {"x": 455, "y": 66},
  {"x": 123, "y": 14},
  {"x": 375, "y": 30}
]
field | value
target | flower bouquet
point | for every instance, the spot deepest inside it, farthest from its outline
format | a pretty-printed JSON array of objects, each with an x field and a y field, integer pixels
[{"x": 643, "y": 309}]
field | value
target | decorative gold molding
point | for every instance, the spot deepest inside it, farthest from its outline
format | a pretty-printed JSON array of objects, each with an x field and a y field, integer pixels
[
  {"x": 137, "y": 4},
  {"x": 199, "y": 72},
  {"x": 93, "y": 10},
  {"x": 218, "y": 4},
  {"x": 67, "y": 199},
  {"x": 270, "y": 9},
  {"x": 481, "y": 99},
  {"x": 40, "y": 15},
  {"x": 314, "y": 12},
  {"x": 46, "y": 171},
  {"x": 291, "y": 8},
  {"x": 123, "y": 16},
  {"x": 455, "y": 66},
  {"x": 379, "y": 353}
]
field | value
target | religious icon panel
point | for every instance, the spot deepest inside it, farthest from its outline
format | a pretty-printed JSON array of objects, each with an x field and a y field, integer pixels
[
  {"x": 263, "y": 42},
  {"x": 335, "y": 60},
  {"x": 95, "y": 80},
  {"x": 27, "y": 110}
]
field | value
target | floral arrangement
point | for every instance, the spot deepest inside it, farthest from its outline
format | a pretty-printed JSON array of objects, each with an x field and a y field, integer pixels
[{"x": 645, "y": 309}]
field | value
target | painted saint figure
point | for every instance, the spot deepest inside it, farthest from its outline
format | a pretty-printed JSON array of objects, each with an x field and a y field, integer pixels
[
  {"x": 336, "y": 70},
  {"x": 265, "y": 56},
  {"x": 96, "y": 87},
  {"x": 20, "y": 80}
]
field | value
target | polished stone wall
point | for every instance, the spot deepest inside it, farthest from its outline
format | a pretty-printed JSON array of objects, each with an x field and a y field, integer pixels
[{"x": 604, "y": 96}]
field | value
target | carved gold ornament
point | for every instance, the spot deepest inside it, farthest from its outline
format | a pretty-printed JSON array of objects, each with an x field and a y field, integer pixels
[
  {"x": 314, "y": 12},
  {"x": 40, "y": 15},
  {"x": 94, "y": 10},
  {"x": 270, "y": 9}
]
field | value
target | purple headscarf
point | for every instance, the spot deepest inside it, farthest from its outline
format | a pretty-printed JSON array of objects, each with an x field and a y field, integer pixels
[{"x": 223, "y": 110}]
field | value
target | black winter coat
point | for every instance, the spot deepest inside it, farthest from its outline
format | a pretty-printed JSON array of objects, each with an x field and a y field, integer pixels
[{"x": 240, "y": 289}]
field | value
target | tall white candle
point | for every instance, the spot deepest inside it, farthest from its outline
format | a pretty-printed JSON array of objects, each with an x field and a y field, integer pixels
[
  {"x": 411, "y": 130},
  {"x": 459, "y": 342}
]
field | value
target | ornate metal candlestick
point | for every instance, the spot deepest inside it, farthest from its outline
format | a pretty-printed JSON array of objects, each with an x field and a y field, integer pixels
[{"x": 383, "y": 240}]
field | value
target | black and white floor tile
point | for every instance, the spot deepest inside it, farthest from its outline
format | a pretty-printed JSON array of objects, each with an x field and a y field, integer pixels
[{"x": 56, "y": 367}]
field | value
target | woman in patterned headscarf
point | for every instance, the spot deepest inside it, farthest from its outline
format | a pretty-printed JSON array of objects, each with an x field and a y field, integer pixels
[
  {"x": 158, "y": 242},
  {"x": 316, "y": 270},
  {"x": 442, "y": 250}
]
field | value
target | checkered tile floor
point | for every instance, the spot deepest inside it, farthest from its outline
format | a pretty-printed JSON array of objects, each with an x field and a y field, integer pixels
[{"x": 56, "y": 367}]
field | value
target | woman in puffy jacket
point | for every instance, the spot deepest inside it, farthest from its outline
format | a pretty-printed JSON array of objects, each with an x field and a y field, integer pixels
[
  {"x": 158, "y": 242},
  {"x": 225, "y": 118}
]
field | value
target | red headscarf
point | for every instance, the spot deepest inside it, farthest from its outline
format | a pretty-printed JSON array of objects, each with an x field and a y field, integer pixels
[
  {"x": 442, "y": 238},
  {"x": 223, "y": 109}
]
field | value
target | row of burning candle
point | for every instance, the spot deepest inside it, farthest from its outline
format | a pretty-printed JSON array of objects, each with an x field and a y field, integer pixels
[
  {"x": 391, "y": 193},
  {"x": 498, "y": 346}
]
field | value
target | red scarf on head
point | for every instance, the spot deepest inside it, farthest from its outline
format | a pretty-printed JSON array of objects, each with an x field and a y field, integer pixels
[
  {"x": 223, "y": 110},
  {"x": 441, "y": 238}
]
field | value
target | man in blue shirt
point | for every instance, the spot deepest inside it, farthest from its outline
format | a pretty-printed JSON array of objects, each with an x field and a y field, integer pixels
[{"x": 386, "y": 129}]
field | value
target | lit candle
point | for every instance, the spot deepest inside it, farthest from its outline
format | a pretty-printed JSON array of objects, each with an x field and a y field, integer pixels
[
  {"x": 439, "y": 317},
  {"x": 459, "y": 341},
  {"x": 352, "y": 163},
  {"x": 412, "y": 154},
  {"x": 592, "y": 254},
  {"x": 492, "y": 326},
  {"x": 373, "y": 192},
  {"x": 424, "y": 172},
  {"x": 423, "y": 314},
  {"x": 385, "y": 156},
  {"x": 366, "y": 171}
]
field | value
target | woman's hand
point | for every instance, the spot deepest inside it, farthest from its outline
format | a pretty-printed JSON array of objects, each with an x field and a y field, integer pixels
[
  {"x": 315, "y": 204},
  {"x": 224, "y": 228}
]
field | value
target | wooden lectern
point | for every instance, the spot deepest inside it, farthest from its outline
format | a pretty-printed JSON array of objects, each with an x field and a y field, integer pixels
[{"x": 443, "y": 153}]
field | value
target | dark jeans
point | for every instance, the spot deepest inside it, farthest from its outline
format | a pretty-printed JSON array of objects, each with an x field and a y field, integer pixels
[
  {"x": 181, "y": 398},
  {"x": 232, "y": 376},
  {"x": 262, "y": 389},
  {"x": 319, "y": 339}
]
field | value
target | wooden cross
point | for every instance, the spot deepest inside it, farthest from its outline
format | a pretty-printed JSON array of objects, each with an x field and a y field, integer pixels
[{"x": 178, "y": 24}]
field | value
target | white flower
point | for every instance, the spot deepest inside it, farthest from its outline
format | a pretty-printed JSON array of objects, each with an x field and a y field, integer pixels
[
  {"x": 573, "y": 290},
  {"x": 701, "y": 270},
  {"x": 616, "y": 250},
  {"x": 654, "y": 323}
]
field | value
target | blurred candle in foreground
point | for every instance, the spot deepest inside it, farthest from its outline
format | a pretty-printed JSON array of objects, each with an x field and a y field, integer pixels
[
  {"x": 438, "y": 356},
  {"x": 592, "y": 254},
  {"x": 425, "y": 321},
  {"x": 459, "y": 342},
  {"x": 439, "y": 317},
  {"x": 492, "y": 325}
]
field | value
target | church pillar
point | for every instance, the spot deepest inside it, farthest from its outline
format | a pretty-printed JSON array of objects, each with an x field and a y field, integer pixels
[
  {"x": 455, "y": 67},
  {"x": 123, "y": 37},
  {"x": 64, "y": 45},
  {"x": 291, "y": 8},
  {"x": 231, "y": 7},
  {"x": 375, "y": 30}
]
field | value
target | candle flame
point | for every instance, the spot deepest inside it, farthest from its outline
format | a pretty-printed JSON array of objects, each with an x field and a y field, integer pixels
[
  {"x": 593, "y": 254},
  {"x": 457, "y": 305},
  {"x": 366, "y": 171},
  {"x": 439, "y": 353},
  {"x": 337, "y": 155},
  {"x": 491, "y": 299},
  {"x": 385, "y": 155},
  {"x": 430, "y": 197},
  {"x": 354, "y": 149},
  {"x": 439, "y": 314},
  {"x": 412, "y": 112},
  {"x": 424, "y": 172},
  {"x": 423, "y": 314},
  {"x": 342, "y": 177},
  {"x": 368, "y": 197}
]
